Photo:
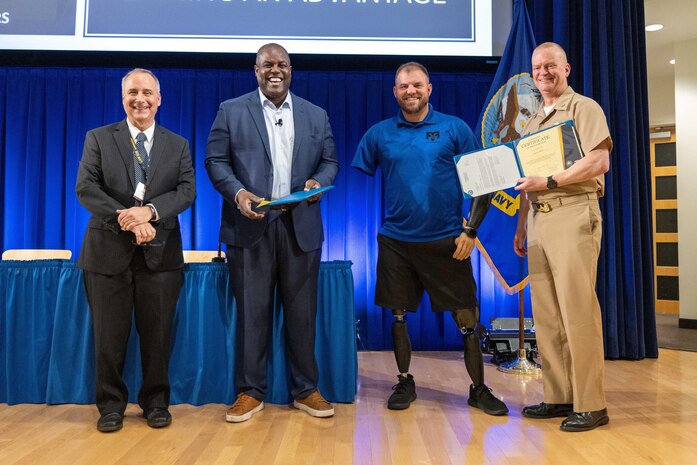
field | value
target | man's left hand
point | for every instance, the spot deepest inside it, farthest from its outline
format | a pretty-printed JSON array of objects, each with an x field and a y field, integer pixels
[
  {"x": 532, "y": 184},
  {"x": 464, "y": 246},
  {"x": 144, "y": 233},
  {"x": 312, "y": 184},
  {"x": 133, "y": 216}
]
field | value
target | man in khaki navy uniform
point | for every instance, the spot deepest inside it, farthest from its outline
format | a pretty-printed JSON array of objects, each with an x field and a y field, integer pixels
[{"x": 564, "y": 227}]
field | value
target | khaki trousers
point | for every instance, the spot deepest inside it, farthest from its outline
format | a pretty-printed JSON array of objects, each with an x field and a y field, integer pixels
[{"x": 563, "y": 248}]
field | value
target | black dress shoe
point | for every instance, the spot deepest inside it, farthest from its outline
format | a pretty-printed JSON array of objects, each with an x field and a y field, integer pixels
[
  {"x": 585, "y": 421},
  {"x": 544, "y": 410},
  {"x": 110, "y": 422},
  {"x": 158, "y": 417}
]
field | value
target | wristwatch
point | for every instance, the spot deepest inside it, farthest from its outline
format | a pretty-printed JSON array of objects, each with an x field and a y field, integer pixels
[
  {"x": 470, "y": 232},
  {"x": 152, "y": 211},
  {"x": 551, "y": 183}
]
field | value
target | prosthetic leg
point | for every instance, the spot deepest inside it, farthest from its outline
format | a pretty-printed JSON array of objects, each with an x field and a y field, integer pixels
[
  {"x": 401, "y": 342},
  {"x": 472, "y": 332},
  {"x": 467, "y": 320},
  {"x": 405, "y": 390}
]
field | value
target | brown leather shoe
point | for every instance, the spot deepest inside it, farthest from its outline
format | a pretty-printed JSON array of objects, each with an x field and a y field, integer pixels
[
  {"x": 244, "y": 407},
  {"x": 315, "y": 405},
  {"x": 585, "y": 421}
]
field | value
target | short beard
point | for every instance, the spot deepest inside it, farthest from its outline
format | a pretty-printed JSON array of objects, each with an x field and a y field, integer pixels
[{"x": 415, "y": 111}]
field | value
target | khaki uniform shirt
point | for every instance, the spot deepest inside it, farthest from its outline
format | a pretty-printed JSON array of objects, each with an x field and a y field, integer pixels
[{"x": 592, "y": 129}]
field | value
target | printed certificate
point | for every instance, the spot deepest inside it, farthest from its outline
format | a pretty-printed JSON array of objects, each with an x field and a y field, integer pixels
[{"x": 542, "y": 153}]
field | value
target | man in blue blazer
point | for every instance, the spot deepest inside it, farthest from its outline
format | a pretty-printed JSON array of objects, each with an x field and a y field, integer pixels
[{"x": 268, "y": 144}]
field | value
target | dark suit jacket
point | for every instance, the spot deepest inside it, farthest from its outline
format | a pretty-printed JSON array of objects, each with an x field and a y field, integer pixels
[
  {"x": 238, "y": 156},
  {"x": 106, "y": 182}
]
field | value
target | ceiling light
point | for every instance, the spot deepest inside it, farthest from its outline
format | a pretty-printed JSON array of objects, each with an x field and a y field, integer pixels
[
  {"x": 654, "y": 27},
  {"x": 672, "y": 62}
]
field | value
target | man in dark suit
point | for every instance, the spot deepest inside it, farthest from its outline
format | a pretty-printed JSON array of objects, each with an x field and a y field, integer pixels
[
  {"x": 132, "y": 255},
  {"x": 267, "y": 144}
]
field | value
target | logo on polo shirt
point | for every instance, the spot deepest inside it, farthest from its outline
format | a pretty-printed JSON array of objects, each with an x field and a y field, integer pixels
[{"x": 433, "y": 136}]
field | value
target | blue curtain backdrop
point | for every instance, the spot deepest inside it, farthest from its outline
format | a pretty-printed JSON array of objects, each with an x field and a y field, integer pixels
[
  {"x": 47, "y": 111},
  {"x": 605, "y": 44}
]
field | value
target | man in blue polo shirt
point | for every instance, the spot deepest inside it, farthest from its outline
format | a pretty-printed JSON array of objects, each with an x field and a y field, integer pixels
[{"x": 422, "y": 244}]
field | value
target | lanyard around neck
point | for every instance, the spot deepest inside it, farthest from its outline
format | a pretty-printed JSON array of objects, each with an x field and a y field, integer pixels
[{"x": 136, "y": 152}]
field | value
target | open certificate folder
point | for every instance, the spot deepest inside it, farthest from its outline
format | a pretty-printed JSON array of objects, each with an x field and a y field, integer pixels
[
  {"x": 295, "y": 197},
  {"x": 542, "y": 153}
]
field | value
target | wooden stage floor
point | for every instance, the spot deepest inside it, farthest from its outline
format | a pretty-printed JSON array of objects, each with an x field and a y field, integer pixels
[{"x": 652, "y": 407}]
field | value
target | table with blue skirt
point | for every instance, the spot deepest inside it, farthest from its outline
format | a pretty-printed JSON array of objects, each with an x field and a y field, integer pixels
[{"x": 47, "y": 343}]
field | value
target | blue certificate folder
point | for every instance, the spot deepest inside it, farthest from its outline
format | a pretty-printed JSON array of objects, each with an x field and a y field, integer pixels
[
  {"x": 543, "y": 153},
  {"x": 295, "y": 197}
]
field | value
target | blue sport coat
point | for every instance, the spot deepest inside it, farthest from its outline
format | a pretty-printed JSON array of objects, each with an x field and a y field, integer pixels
[{"x": 238, "y": 156}]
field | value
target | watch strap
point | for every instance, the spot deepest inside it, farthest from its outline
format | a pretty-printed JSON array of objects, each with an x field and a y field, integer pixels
[{"x": 470, "y": 232}]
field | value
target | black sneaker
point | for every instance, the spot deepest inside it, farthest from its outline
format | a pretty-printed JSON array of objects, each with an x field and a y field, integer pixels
[
  {"x": 404, "y": 393},
  {"x": 482, "y": 398}
]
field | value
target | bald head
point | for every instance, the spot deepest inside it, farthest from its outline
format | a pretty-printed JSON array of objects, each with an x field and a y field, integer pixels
[
  {"x": 554, "y": 48},
  {"x": 267, "y": 48},
  {"x": 273, "y": 72},
  {"x": 550, "y": 71}
]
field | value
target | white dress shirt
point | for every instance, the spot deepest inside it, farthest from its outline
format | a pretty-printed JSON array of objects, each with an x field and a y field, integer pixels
[
  {"x": 281, "y": 130},
  {"x": 149, "y": 134}
]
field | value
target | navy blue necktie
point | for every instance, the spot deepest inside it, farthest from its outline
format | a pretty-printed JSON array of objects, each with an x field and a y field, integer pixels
[{"x": 141, "y": 165}]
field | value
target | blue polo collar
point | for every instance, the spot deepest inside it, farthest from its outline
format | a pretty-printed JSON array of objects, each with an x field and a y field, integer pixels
[{"x": 429, "y": 119}]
